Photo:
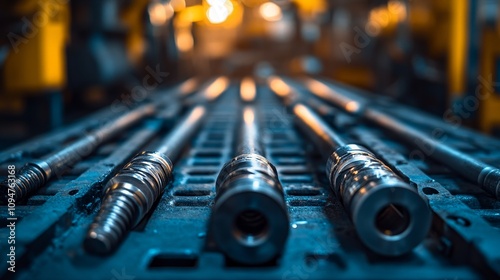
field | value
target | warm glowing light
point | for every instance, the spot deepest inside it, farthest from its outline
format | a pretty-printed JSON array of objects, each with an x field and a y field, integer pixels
[
  {"x": 398, "y": 9},
  {"x": 219, "y": 10},
  {"x": 229, "y": 6},
  {"x": 248, "y": 115},
  {"x": 159, "y": 14},
  {"x": 352, "y": 106},
  {"x": 216, "y": 2},
  {"x": 191, "y": 14},
  {"x": 217, "y": 14},
  {"x": 184, "y": 40},
  {"x": 217, "y": 88},
  {"x": 248, "y": 90},
  {"x": 380, "y": 16},
  {"x": 197, "y": 112},
  {"x": 270, "y": 11},
  {"x": 305, "y": 114},
  {"x": 387, "y": 17},
  {"x": 317, "y": 87},
  {"x": 279, "y": 87},
  {"x": 323, "y": 91},
  {"x": 178, "y": 5},
  {"x": 188, "y": 86},
  {"x": 252, "y": 3},
  {"x": 311, "y": 7},
  {"x": 169, "y": 10}
]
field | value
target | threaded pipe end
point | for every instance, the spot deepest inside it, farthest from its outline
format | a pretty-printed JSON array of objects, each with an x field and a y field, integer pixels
[
  {"x": 390, "y": 217},
  {"x": 29, "y": 179},
  {"x": 127, "y": 198}
]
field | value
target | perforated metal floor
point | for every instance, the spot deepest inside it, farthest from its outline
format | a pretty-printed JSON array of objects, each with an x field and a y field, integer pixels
[{"x": 172, "y": 242}]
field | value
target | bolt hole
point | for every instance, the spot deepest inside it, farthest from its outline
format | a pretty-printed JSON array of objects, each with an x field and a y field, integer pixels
[
  {"x": 392, "y": 220},
  {"x": 430, "y": 191},
  {"x": 251, "y": 227},
  {"x": 73, "y": 192}
]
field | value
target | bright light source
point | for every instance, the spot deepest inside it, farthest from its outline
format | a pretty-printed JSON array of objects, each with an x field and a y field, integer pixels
[
  {"x": 279, "y": 87},
  {"x": 184, "y": 40},
  {"x": 248, "y": 115},
  {"x": 229, "y": 6},
  {"x": 157, "y": 14},
  {"x": 169, "y": 10},
  {"x": 217, "y": 87},
  {"x": 397, "y": 8},
  {"x": 216, "y": 2},
  {"x": 178, "y": 5},
  {"x": 217, "y": 14},
  {"x": 247, "y": 89},
  {"x": 270, "y": 11},
  {"x": 191, "y": 14},
  {"x": 188, "y": 86}
]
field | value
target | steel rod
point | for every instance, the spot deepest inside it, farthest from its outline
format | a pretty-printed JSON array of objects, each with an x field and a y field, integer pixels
[
  {"x": 390, "y": 217},
  {"x": 36, "y": 174},
  {"x": 250, "y": 222},
  {"x": 131, "y": 193},
  {"x": 483, "y": 174}
]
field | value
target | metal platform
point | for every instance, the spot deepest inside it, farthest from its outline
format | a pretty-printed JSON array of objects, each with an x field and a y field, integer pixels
[{"x": 172, "y": 242}]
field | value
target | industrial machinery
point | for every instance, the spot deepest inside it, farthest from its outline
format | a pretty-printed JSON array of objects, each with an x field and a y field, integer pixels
[
  {"x": 250, "y": 219},
  {"x": 389, "y": 215},
  {"x": 249, "y": 139}
]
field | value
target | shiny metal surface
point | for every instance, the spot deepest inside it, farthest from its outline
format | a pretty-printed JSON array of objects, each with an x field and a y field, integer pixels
[
  {"x": 483, "y": 174},
  {"x": 130, "y": 194},
  {"x": 171, "y": 145},
  {"x": 127, "y": 198},
  {"x": 389, "y": 216},
  {"x": 174, "y": 242},
  {"x": 34, "y": 175},
  {"x": 310, "y": 121},
  {"x": 250, "y": 222}
]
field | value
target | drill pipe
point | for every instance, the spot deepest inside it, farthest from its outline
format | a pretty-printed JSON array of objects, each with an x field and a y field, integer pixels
[
  {"x": 250, "y": 219},
  {"x": 485, "y": 175},
  {"x": 36, "y": 174},
  {"x": 131, "y": 193},
  {"x": 210, "y": 92},
  {"x": 390, "y": 217}
]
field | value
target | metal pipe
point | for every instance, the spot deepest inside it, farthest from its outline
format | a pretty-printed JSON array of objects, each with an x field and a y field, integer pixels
[
  {"x": 250, "y": 222},
  {"x": 390, "y": 217},
  {"x": 131, "y": 193},
  {"x": 485, "y": 175},
  {"x": 36, "y": 174},
  {"x": 429, "y": 121},
  {"x": 211, "y": 91}
]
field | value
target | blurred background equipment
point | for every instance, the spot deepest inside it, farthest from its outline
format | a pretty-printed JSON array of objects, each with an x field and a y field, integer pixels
[
  {"x": 63, "y": 59},
  {"x": 70, "y": 67}
]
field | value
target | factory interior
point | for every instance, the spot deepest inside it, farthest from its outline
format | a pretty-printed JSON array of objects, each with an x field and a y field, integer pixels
[{"x": 250, "y": 139}]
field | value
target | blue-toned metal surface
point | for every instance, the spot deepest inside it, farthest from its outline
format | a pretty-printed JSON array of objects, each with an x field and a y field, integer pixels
[{"x": 172, "y": 241}]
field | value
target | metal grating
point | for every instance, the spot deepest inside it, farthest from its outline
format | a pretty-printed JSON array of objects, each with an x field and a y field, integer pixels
[{"x": 172, "y": 241}]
